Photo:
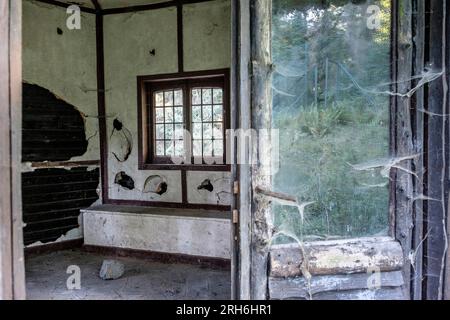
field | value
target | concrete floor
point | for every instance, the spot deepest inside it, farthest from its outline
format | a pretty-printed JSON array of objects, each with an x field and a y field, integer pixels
[{"x": 143, "y": 279}]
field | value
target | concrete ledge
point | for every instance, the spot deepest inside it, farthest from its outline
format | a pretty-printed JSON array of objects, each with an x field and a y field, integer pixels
[{"x": 177, "y": 231}]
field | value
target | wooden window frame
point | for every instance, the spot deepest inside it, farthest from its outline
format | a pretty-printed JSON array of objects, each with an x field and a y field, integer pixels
[{"x": 146, "y": 85}]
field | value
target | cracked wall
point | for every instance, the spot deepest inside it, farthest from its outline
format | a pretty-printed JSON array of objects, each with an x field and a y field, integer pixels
[
  {"x": 60, "y": 94},
  {"x": 64, "y": 64},
  {"x": 129, "y": 39}
]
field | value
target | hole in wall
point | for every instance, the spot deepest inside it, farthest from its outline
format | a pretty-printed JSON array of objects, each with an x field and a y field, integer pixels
[
  {"x": 52, "y": 129},
  {"x": 121, "y": 141},
  {"x": 155, "y": 184},
  {"x": 124, "y": 180},
  {"x": 206, "y": 185}
]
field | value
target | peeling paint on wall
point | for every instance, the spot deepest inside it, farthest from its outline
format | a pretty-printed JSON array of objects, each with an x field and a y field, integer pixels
[
  {"x": 121, "y": 141},
  {"x": 64, "y": 64}
]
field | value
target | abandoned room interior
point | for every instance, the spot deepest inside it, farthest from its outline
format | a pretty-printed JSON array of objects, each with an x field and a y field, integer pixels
[{"x": 224, "y": 149}]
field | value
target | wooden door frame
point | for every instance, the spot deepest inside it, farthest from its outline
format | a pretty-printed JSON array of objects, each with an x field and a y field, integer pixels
[{"x": 12, "y": 278}]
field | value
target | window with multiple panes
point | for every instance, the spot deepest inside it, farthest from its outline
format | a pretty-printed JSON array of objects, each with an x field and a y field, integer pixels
[{"x": 185, "y": 119}]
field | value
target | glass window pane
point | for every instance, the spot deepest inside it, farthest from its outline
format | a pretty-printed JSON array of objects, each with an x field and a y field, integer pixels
[
  {"x": 207, "y": 113},
  {"x": 329, "y": 66},
  {"x": 170, "y": 148},
  {"x": 178, "y": 97},
  {"x": 159, "y": 99},
  {"x": 197, "y": 131},
  {"x": 197, "y": 148},
  {"x": 207, "y": 148},
  {"x": 169, "y": 115},
  {"x": 207, "y": 96},
  {"x": 169, "y": 131},
  {"x": 218, "y": 113},
  {"x": 196, "y": 114},
  {"x": 207, "y": 131},
  {"x": 179, "y": 131},
  {"x": 159, "y": 112},
  {"x": 217, "y": 95},
  {"x": 218, "y": 148},
  {"x": 168, "y": 98},
  {"x": 179, "y": 148},
  {"x": 218, "y": 131},
  {"x": 196, "y": 96},
  {"x": 159, "y": 131},
  {"x": 179, "y": 115},
  {"x": 159, "y": 148}
]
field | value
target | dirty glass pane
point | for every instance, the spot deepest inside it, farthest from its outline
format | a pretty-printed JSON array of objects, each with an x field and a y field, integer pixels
[
  {"x": 332, "y": 66},
  {"x": 179, "y": 115},
  {"x": 207, "y": 121},
  {"x": 159, "y": 115},
  {"x": 168, "y": 98},
  {"x": 196, "y": 114},
  {"x": 217, "y": 96},
  {"x": 207, "y": 96},
  {"x": 178, "y": 98},
  {"x": 218, "y": 113},
  {"x": 169, "y": 115},
  {"x": 197, "y": 96},
  {"x": 159, "y": 99},
  {"x": 160, "y": 148},
  {"x": 207, "y": 113}
]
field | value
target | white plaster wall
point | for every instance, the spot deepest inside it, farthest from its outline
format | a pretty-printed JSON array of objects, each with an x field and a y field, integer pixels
[
  {"x": 128, "y": 39},
  {"x": 221, "y": 181},
  {"x": 207, "y": 35},
  {"x": 206, "y": 237},
  {"x": 64, "y": 64}
]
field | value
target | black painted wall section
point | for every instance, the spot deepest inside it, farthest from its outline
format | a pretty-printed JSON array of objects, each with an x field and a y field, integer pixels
[
  {"x": 53, "y": 130},
  {"x": 52, "y": 199}
]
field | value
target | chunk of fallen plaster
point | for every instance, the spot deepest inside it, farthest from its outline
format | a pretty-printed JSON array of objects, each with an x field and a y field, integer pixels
[{"x": 111, "y": 270}]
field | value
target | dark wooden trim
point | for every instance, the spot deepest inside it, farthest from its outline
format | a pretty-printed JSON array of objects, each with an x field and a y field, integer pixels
[
  {"x": 175, "y": 205},
  {"x": 153, "y": 6},
  {"x": 70, "y": 164},
  {"x": 66, "y": 5},
  {"x": 437, "y": 150},
  {"x": 101, "y": 105},
  {"x": 97, "y": 6},
  {"x": 180, "y": 36},
  {"x": 184, "y": 192},
  {"x": 163, "y": 257},
  {"x": 53, "y": 247}
]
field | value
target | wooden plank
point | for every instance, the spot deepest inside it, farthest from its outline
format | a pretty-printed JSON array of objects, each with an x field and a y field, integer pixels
[
  {"x": 244, "y": 116},
  {"x": 403, "y": 144},
  {"x": 417, "y": 105},
  {"x": 261, "y": 115},
  {"x": 12, "y": 279},
  {"x": 382, "y": 294},
  {"x": 233, "y": 116},
  {"x": 6, "y": 291},
  {"x": 16, "y": 145},
  {"x": 437, "y": 155},
  {"x": 299, "y": 287},
  {"x": 336, "y": 257}
]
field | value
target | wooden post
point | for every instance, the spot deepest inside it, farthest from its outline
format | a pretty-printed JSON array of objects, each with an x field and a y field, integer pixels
[
  {"x": 402, "y": 192},
  {"x": 12, "y": 279},
  {"x": 261, "y": 119}
]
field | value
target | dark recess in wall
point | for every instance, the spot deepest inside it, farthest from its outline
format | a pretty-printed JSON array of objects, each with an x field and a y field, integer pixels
[
  {"x": 52, "y": 199},
  {"x": 52, "y": 129}
]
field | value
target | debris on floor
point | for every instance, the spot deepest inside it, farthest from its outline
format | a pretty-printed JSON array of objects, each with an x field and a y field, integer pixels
[{"x": 111, "y": 270}]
